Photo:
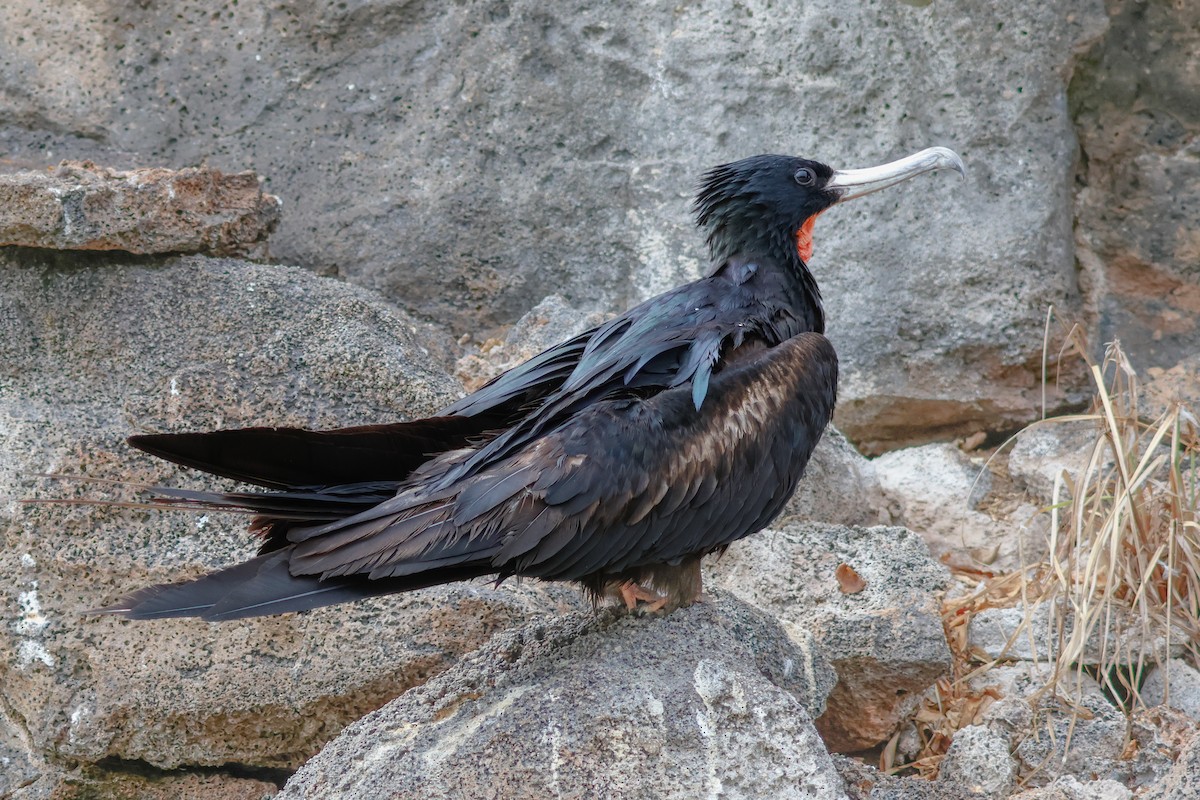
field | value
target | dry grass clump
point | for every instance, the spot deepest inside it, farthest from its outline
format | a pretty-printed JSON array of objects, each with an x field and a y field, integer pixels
[{"x": 1122, "y": 577}]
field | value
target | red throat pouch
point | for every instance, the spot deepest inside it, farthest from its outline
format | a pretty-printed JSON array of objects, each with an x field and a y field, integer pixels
[{"x": 804, "y": 240}]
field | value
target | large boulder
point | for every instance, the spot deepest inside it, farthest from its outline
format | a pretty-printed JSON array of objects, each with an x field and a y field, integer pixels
[
  {"x": 93, "y": 348},
  {"x": 711, "y": 700},
  {"x": 466, "y": 159}
]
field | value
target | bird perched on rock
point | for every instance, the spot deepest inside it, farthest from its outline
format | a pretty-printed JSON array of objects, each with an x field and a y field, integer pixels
[{"x": 617, "y": 459}]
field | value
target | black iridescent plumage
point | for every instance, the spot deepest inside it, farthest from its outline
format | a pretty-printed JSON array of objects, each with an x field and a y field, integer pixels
[{"x": 619, "y": 457}]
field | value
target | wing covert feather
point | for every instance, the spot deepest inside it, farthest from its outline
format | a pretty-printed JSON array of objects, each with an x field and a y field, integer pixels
[{"x": 621, "y": 484}]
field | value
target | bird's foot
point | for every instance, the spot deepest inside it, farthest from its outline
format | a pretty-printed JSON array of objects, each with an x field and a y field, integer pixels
[{"x": 632, "y": 592}]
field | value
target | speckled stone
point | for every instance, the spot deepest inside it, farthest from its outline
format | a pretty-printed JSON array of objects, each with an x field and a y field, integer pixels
[
  {"x": 711, "y": 700},
  {"x": 886, "y": 642},
  {"x": 978, "y": 763},
  {"x": 1182, "y": 782}
]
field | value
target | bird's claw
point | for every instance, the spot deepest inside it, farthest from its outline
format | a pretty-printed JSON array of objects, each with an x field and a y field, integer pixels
[{"x": 632, "y": 592}]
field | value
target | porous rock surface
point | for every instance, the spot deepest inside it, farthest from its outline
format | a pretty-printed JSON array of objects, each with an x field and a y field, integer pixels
[
  {"x": 711, "y": 700},
  {"x": 90, "y": 784},
  {"x": 979, "y": 763},
  {"x": 1182, "y": 782},
  {"x": 1068, "y": 787},
  {"x": 468, "y": 159},
  {"x": 865, "y": 782},
  {"x": 1136, "y": 100},
  {"x": 885, "y": 641},
  {"x": 1078, "y": 732},
  {"x": 19, "y": 766}
]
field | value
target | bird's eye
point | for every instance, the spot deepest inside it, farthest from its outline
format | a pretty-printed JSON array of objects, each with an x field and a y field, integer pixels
[{"x": 805, "y": 176}]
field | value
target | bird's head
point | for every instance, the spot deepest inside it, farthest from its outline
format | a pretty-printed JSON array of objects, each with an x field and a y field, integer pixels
[{"x": 767, "y": 204}]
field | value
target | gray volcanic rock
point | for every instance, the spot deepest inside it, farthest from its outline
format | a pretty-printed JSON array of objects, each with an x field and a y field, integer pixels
[
  {"x": 1036, "y": 632},
  {"x": 1068, "y": 787},
  {"x": 1081, "y": 734},
  {"x": 551, "y": 321},
  {"x": 1177, "y": 684},
  {"x": 865, "y": 782},
  {"x": 978, "y": 763},
  {"x": 468, "y": 159},
  {"x": 1044, "y": 453},
  {"x": 1136, "y": 103},
  {"x": 97, "y": 784},
  {"x": 93, "y": 348},
  {"x": 885, "y": 640},
  {"x": 1183, "y": 781},
  {"x": 840, "y": 486},
  {"x": 79, "y": 206},
  {"x": 936, "y": 490},
  {"x": 711, "y": 699},
  {"x": 19, "y": 765}
]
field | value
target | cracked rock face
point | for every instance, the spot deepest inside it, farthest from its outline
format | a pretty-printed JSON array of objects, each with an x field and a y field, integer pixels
[{"x": 712, "y": 699}]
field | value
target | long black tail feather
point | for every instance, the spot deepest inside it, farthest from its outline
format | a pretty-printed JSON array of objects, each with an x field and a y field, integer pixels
[
  {"x": 276, "y": 513},
  {"x": 264, "y": 585},
  {"x": 316, "y": 477},
  {"x": 332, "y": 504},
  {"x": 294, "y": 458}
]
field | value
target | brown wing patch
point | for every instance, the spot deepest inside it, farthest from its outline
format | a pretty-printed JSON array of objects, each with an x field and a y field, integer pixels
[{"x": 667, "y": 481}]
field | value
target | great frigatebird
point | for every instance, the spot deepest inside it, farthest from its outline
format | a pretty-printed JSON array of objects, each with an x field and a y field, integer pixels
[{"x": 617, "y": 459}]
